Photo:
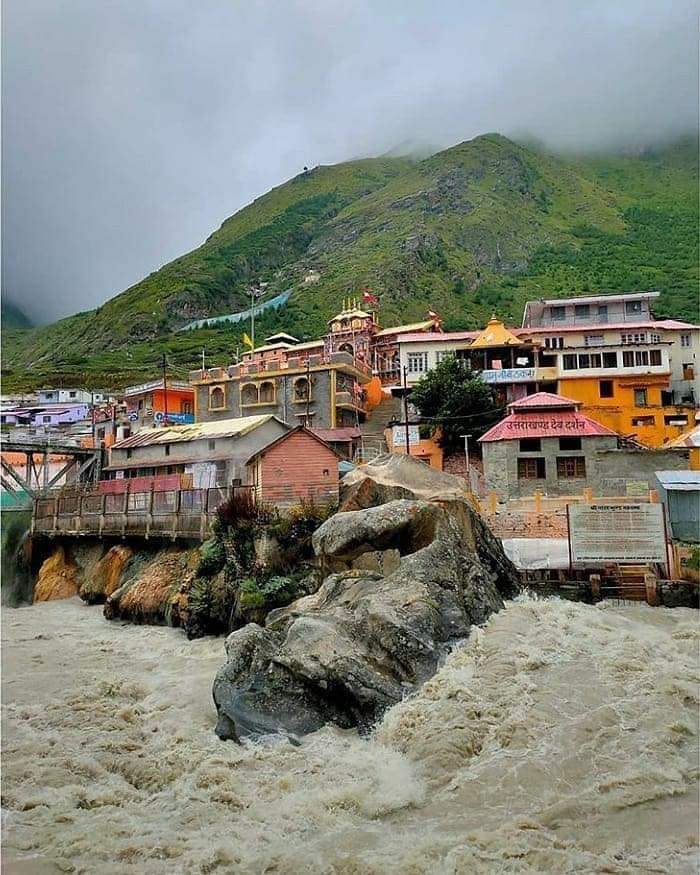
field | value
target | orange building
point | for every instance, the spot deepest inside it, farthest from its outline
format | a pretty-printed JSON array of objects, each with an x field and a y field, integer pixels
[{"x": 151, "y": 403}]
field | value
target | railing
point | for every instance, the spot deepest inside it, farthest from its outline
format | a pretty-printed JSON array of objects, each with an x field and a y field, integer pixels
[{"x": 173, "y": 513}]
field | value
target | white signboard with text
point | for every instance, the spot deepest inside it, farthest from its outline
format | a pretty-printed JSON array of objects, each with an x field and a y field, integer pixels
[
  {"x": 631, "y": 532},
  {"x": 398, "y": 436}
]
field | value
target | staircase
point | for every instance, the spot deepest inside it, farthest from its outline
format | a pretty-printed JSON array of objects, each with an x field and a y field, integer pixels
[{"x": 373, "y": 443}]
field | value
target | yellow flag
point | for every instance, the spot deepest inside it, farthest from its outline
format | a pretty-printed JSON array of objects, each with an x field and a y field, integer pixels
[{"x": 247, "y": 340}]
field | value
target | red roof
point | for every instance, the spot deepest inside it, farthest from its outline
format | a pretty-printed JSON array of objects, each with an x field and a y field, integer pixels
[
  {"x": 546, "y": 422},
  {"x": 544, "y": 401}
]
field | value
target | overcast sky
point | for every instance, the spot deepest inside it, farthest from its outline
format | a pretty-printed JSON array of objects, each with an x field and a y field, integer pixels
[{"x": 132, "y": 128}]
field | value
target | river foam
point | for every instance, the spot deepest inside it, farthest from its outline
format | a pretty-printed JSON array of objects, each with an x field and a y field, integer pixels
[{"x": 559, "y": 738}]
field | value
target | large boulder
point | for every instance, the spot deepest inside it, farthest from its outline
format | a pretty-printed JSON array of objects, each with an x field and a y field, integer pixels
[{"x": 367, "y": 637}]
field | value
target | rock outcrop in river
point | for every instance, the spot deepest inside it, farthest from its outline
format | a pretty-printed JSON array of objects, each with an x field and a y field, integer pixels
[{"x": 406, "y": 579}]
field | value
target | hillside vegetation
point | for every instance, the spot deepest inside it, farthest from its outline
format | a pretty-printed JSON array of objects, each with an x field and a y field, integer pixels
[{"x": 477, "y": 228}]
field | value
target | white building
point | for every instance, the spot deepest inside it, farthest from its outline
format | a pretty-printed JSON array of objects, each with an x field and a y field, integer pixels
[{"x": 64, "y": 396}]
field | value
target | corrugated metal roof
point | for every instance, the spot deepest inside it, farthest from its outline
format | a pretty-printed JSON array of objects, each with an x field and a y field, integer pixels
[
  {"x": 176, "y": 433},
  {"x": 687, "y": 440},
  {"x": 337, "y": 434},
  {"x": 679, "y": 481}
]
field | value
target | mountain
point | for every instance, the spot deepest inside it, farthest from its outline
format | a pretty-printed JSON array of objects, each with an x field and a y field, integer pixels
[
  {"x": 476, "y": 228},
  {"x": 13, "y": 316}
]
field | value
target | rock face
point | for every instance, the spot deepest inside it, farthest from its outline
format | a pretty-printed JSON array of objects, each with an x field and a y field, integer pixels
[
  {"x": 106, "y": 576},
  {"x": 367, "y": 637},
  {"x": 65, "y": 570}
]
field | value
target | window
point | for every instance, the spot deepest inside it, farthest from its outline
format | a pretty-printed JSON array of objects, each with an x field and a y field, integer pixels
[
  {"x": 216, "y": 398},
  {"x": 267, "y": 392},
  {"x": 686, "y": 340},
  {"x": 186, "y": 407},
  {"x": 627, "y": 359},
  {"x": 249, "y": 394},
  {"x": 417, "y": 362},
  {"x": 584, "y": 361},
  {"x": 128, "y": 454},
  {"x": 633, "y": 308},
  {"x": 531, "y": 469},
  {"x": 636, "y": 337},
  {"x": 220, "y": 473},
  {"x": 640, "y": 397},
  {"x": 558, "y": 314},
  {"x": 643, "y": 420},
  {"x": 72, "y": 394},
  {"x": 602, "y": 312},
  {"x": 530, "y": 445},
  {"x": 641, "y": 357},
  {"x": 554, "y": 342},
  {"x": 676, "y": 419},
  {"x": 569, "y": 443},
  {"x": 606, "y": 389},
  {"x": 569, "y": 362},
  {"x": 594, "y": 340},
  {"x": 211, "y": 444},
  {"x": 571, "y": 467},
  {"x": 167, "y": 449},
  {"x": 443, "y": 354},
  {"x": 654, "y": 357},
  {"x": 666, "y": 397},
  {"x": 609, "y": 359},
  {"x": 596, "y": 361},
  {"x": 655, "y": 338},
  {"x": 46, "y": 419},
  {"x": 302, "y": 390},
  {"x": 582, "y": 311},
  {"x": 688, "y": 371}
]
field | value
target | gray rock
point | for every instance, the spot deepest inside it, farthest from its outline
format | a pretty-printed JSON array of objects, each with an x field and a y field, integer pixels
[{"x": 363, "y": 641}]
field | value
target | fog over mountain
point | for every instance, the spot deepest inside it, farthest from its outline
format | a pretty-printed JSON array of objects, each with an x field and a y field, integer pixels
[{"x": 132, "y": 129}]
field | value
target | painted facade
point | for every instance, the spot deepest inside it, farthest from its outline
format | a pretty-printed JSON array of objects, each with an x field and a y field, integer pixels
[
  {"x": 148, "y": 404},
  {"x": 297, "y": 466}
]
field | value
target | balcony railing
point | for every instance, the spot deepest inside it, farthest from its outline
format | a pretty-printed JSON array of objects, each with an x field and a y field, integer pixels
[{"x": 173, "y": 513}]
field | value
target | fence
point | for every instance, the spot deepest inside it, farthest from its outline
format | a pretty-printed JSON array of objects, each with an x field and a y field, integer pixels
[{"x": 175, "y": 513}]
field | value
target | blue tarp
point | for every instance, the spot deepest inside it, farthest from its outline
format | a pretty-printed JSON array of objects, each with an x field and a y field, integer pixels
[{"x": 233, "y": 318}]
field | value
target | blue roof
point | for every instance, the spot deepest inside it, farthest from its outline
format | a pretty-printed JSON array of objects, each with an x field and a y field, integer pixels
[{"x": 687, "y": 481}]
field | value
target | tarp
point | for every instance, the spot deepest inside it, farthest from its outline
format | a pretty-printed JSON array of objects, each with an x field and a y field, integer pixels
[
  {"x": 233, "y": 318},
  {"x": 537, "y": 554}
]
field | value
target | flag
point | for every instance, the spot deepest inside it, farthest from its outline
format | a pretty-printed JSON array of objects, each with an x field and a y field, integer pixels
[
  {"x": 368, "y": 297},
  {"x": 247, "y": 341}
]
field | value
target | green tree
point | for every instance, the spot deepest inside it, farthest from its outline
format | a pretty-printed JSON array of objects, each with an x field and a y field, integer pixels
[{"x": 457, "y": 401}]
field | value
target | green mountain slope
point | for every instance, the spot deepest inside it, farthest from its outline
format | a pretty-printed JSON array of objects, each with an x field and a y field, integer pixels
[{"x": 479, "y": 227}]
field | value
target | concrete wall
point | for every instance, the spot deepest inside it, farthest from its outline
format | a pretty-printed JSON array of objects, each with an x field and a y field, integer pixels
[
  {"x": 234, "y": 450},
  {"x": 501, "y": 467},
  {"x": 284, "y": 405},
  {"x": 609, "y": 471}
]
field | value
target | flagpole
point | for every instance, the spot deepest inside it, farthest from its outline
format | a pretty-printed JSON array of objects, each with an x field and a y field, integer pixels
[{"x": 252, "y": 320}]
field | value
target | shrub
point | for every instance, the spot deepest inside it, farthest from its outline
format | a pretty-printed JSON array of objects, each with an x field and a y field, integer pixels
[
  {"x": 212, "y": 559},
  {"x": 293, "y": 532}
]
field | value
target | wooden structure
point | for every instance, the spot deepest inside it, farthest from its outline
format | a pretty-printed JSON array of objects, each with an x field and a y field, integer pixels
[{"x": 174, "y": 513}]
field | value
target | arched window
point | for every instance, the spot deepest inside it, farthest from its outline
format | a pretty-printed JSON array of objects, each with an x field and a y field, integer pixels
[
  {"x": 186, "y": 407},
  {"x": 346, "y": 347},
  {"x": 249, "y": 394},
  {"x": 301, "y": 389},
  {"x": 217, "y": 400},
  {"x": 267, "y": 392}
]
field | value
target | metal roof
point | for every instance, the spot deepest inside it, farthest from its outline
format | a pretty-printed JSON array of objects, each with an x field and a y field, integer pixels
[
  {"x": 544, "y": 401},
  {"x": 688, "y": 440},
  {"x": 199, "y": 430},
  {"x": 405, "y": 329},
  {"x": 679, "y": 481},
  {"x": 545, "y": 424}
]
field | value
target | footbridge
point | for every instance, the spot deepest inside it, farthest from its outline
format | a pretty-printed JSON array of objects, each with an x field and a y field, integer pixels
[{"x": 44, "y": 464}]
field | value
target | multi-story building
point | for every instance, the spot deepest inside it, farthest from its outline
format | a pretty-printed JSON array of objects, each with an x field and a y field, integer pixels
[
  {"x": 64, "y": 396},
  {"x": 324, "y": 384},
  {"x": 633, "y": 373},
  {"x": 152, "y": 404}
]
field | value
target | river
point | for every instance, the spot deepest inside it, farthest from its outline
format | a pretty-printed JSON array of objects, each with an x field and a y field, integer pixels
[{"x": 559, "y": 738}]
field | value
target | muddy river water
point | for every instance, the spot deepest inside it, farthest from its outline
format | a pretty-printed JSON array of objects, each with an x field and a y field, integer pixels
[{"x": 559, "y": 738}]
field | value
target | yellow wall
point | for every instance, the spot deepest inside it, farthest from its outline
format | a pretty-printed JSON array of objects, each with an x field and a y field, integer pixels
[
  {"x": 427, "y": 450},
  {"x": 618, "y": 412}
]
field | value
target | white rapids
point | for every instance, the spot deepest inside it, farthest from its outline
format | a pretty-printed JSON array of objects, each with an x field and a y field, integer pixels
[{"x": 558, "y": 738}]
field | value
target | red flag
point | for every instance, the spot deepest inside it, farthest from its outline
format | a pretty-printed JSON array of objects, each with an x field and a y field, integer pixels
[{"x": 368, "y": 297}]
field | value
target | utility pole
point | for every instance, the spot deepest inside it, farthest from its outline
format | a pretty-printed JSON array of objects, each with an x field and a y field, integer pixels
[
  {"x": 466, "y": 457},
  {"x": 165, "y": 395},
  {"x": 252, "y": 318},
  {"x": 203, "y": 368},
  {"x": 405, "y": 408}
]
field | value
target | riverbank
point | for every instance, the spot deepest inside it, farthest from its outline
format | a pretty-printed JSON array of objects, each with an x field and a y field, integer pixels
[{"x": 563, "y": 737}]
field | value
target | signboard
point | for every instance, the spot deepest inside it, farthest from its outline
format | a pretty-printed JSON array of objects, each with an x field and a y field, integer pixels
[
  {"x": 509, "y": 375},
  {"x": 636, "y": 487},
  {"x": 632, "y": 532},
  {"x": 398, "y": 436}
]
